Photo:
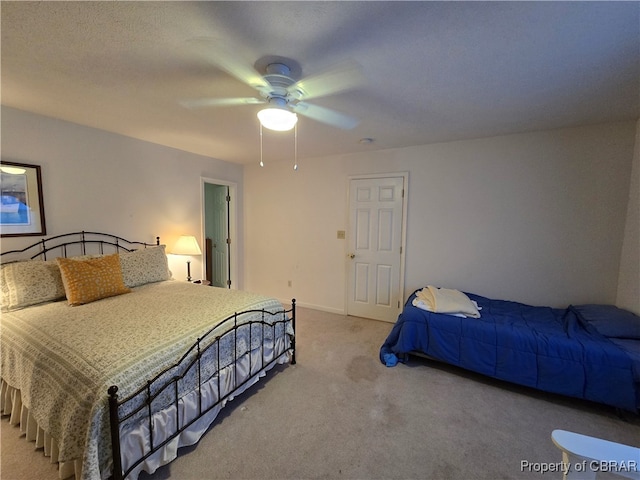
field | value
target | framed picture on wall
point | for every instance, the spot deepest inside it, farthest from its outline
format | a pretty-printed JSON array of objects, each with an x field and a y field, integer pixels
[{"x": 21, "y": 203}]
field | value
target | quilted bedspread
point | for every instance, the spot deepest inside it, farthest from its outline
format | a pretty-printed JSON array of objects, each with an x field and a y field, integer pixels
[
  {"x": 63, "y": 359},
  {"x": 539, "y": 347}
]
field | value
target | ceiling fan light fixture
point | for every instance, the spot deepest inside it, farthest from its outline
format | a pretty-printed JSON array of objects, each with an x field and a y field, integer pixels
[{"x": 277, "y": 119}]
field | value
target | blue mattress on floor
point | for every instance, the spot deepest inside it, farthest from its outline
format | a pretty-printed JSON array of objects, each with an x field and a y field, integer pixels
[{"x": 554, "y": 350}]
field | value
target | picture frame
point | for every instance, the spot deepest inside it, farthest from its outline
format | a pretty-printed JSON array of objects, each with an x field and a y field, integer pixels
[{"x": 21, "y": 202}]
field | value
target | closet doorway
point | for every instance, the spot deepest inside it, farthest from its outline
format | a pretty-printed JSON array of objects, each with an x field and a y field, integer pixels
[
  {"x": 376, "y": 241},
  {"x": 219, "y": 227}
]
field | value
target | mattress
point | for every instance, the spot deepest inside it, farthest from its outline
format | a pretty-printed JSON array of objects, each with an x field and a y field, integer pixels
[{"x": 546, "y": 348}]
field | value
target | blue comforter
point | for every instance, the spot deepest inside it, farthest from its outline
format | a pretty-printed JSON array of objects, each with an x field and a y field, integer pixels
[{"x": 541, "y": 347}]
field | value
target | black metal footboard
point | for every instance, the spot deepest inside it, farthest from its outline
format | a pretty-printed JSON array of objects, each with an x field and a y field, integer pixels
[{"x": 199, "y": 369}]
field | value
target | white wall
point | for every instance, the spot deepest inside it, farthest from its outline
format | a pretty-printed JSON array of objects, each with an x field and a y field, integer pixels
[
  {"x": 629, "y": 280},
  {"x": 95, "y": 180},
  {"x": 536, "y": 218}
]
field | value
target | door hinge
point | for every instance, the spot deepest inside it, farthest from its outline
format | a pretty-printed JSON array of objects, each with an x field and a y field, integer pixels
[
  {"x": 229, "y": 283},
  {"x": 398, "y": 303},
  {"x": 400, "y": 250},
  {"x": 228, "y": 198},
  {"x": 228, "y": 241}
]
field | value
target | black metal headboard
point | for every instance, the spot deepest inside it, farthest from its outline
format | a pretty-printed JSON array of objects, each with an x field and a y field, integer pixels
[{"x": 72, "y": 244}]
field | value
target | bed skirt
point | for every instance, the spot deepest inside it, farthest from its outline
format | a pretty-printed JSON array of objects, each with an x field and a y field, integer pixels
[
  {"x": 135, "y": 440},
  {"x": 11, "y": 405}
]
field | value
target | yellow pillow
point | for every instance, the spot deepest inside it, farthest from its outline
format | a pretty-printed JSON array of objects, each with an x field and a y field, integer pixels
[{"x": 91, "y": 279}]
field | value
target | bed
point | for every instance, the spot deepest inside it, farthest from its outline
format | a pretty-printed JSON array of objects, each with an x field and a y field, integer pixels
[
  {"x": 590, "y": 352},
  {"x": 110, "y": 380}
]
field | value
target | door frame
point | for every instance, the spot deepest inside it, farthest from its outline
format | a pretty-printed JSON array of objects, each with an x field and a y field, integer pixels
[
  {"x": 233, "y": 225},
  {"x": 403, "y": 238}
]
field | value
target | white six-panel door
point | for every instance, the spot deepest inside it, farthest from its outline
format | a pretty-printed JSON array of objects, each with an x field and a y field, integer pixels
[{"x": 375, "y": 241}]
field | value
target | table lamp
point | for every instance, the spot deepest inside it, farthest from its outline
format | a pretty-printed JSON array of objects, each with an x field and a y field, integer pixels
[{"x": 187, "y": 245}]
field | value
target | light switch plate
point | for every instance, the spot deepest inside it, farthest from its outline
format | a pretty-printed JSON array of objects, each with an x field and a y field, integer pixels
[{"x": 341, "y": 234}]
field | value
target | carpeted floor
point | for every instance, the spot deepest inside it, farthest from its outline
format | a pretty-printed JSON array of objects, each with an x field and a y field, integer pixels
[{"x": 339, "y": 413}]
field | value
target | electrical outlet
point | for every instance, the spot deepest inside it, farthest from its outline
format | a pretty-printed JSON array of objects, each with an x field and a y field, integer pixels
[{"x": 341, "y": 234}]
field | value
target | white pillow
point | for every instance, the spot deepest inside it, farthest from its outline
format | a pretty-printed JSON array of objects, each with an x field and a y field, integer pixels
[
  {"x": 448, "y": 301},
  {"x": 143, "y": 266},
  {"x": 29, "y": 283}
]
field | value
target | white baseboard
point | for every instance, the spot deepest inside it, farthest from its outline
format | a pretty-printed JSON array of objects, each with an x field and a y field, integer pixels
[{"x": 322, "y": 308}]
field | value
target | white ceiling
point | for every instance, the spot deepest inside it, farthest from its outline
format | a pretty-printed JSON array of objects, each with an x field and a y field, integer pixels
[{"x": 435, "y": 71}]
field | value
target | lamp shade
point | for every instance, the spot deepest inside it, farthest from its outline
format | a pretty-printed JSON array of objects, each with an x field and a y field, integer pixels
[
  {"x": 277, "y": 119},
  {"x": 186, "y": 245}
]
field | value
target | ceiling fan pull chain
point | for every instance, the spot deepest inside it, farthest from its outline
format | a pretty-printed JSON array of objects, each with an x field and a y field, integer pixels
[
  {"x": 261, "y": 162},
  {"x": 295, "y": 147}
]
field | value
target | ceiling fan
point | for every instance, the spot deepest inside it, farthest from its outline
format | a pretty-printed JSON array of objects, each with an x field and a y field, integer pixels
[{"x": 275, "y": 79}]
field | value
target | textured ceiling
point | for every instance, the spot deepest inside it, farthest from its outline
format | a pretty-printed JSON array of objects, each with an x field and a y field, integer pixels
[{"x": 435, "y": 71}]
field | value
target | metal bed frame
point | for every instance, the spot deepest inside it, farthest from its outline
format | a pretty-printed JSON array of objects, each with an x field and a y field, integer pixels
[
  {"x": 77, "y": 241},
  {"x": 143, "y": 398}
]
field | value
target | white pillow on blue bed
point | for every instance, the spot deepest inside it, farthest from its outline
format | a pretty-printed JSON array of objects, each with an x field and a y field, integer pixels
[{"x": 609, "y": 320}]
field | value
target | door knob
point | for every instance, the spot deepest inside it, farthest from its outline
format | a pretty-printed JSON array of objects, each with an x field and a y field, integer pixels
[{"x": 353, "y": 255}]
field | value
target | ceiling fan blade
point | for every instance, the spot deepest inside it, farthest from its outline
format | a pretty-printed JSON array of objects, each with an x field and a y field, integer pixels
[
  {"x": 228, "y": 59},
  {"x": 325, "y": 115},
  {"x": 338, "y": 79},
  {"x": 219, "y": 102}
]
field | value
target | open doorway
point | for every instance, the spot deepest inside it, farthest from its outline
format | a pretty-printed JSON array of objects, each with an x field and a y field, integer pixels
[{"x": 219, "y": 220}]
